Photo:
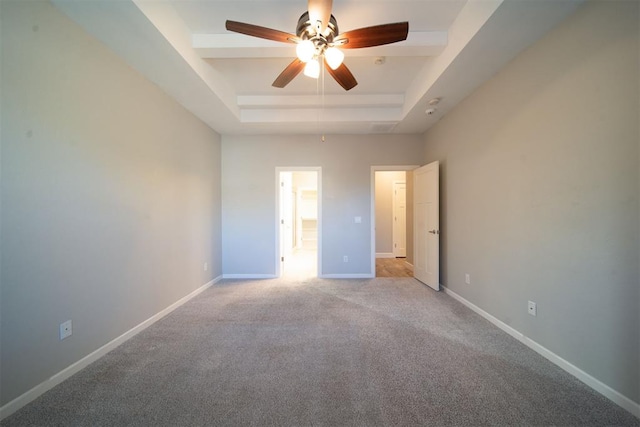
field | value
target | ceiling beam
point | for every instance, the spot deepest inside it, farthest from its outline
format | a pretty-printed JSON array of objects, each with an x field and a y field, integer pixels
[
  {"x": 418, "y": 43},
  {"x": 329, "y": 101},
  {"x": 320, "y": 115}
]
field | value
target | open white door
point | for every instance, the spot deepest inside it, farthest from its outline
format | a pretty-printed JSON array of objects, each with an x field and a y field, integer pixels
[
  {"x": 399, "y": 203},
  {"x": 426, "y": 205}
]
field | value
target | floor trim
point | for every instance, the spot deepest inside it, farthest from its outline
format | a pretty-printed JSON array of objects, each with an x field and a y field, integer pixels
[
  {"x": 69, "y": 371},
  {"x": 385, "y": 255},
  {"x": 611, "y": 394},
  {"x": 347, "y": 276},
  {"x": 249, "y": 276}
]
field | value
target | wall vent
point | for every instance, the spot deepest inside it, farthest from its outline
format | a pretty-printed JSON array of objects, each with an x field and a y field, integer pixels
[{"x": 382, "y": 127}]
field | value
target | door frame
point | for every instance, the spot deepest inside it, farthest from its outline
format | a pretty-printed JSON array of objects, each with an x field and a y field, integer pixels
[
  {"x": 278, "y": 256},
  {"x": 375, "y": 169}
]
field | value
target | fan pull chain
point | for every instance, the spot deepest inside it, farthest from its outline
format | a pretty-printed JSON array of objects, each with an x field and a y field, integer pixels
[
  {"x": 318, "y": 112},
  {"x": 322, "y": 111}
]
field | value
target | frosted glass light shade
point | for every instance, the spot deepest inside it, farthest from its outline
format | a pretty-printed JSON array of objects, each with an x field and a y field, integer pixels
[
  {"x": 312, "y": 69},
  {"x": 305, "y": 50},
  {"x": 334, "y": 57}
]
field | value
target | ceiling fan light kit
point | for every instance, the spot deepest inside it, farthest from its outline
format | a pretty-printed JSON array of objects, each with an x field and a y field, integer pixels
[
  {"x": 317, "y": 38},
  {"x": 334, "y": 57},
  {"x": 305, "y": 50},
  {"x": 316, "y": 43},
  {"x": 312, "y": 68}
]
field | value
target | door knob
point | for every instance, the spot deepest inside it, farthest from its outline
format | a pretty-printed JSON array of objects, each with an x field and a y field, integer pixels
[{"x": 434, "y": 232}]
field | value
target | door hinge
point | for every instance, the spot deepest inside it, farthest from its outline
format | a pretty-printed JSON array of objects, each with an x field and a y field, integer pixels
[
  {"x": 282, "y": 221},
  {"x": 281, "y": 259}
]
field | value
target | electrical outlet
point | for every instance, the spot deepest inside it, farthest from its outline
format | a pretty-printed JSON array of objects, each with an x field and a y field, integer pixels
[
  {"x": 345, "y": 259},
  {"x": 532, "y": 309},
  {"x": 467, "y": 279},
  {"x": 206, "y": 266},
  {"x": 357, "y": 219},
  {"x": 65, "y": 329}
]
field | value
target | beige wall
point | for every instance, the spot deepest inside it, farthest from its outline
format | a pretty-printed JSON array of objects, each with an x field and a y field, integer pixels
[
  {"x": 248, "y": 193},
  {"x": 540, "y": 192},
  {"x": 110, "y": 196}
]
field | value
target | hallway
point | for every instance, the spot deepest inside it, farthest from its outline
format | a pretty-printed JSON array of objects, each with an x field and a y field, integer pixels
[
  {"x": 302, "y": 264},
  {"x": 393, "y": 267}
]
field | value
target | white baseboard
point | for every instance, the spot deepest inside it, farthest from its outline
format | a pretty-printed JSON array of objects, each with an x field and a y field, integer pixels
[
  {"x": 611, "y": 394},
  {"x": 385, "y": 255},
  {"x": 348, "y": 276},
  {"x": 69, "y": 371},
  {"x": 322, "y": 276},
  {"x": 249, "y": 276}
]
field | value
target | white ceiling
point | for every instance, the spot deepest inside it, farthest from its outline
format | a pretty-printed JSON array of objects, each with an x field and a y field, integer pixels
[{"x": 225, "y": 78}]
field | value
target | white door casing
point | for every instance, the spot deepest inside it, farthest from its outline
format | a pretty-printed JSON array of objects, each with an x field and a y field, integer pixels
[
  {"x": 426, "y": 207},
  {"x": 375, "y": 169},
  {"x": 286, "y": 218},
  {"x": 285, "y": 238},
  {"x": 399, "y": 219}
]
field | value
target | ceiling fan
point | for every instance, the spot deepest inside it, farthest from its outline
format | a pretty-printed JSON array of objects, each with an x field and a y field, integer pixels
[{"x": 317, "y": 38}]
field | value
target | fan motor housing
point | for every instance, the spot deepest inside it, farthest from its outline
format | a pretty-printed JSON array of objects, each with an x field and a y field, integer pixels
[{"x": 306, "y": 30}]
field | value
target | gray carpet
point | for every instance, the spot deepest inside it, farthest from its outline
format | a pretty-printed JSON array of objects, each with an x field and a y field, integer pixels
[{"x": 386, "y": 351}]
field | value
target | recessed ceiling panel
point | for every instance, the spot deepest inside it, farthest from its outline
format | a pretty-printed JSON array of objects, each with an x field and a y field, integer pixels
[
  {"x": 256, "y": 75},
  {"x": 225, "y": 78}
]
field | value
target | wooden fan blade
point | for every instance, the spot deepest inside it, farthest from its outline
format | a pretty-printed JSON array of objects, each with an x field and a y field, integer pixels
[
  {"x": 342, "y": 75},
  {"x": 289, "y": 73},
  {"x": 373, "y": 36},
  {"x": 319, "y": 10},
  {"x": 261, "y": 32}
]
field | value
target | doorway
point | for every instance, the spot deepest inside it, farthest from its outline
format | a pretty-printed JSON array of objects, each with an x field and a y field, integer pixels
[
  {"x": 298, "y": 222},
  {"x": 393, "y": 231}
]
